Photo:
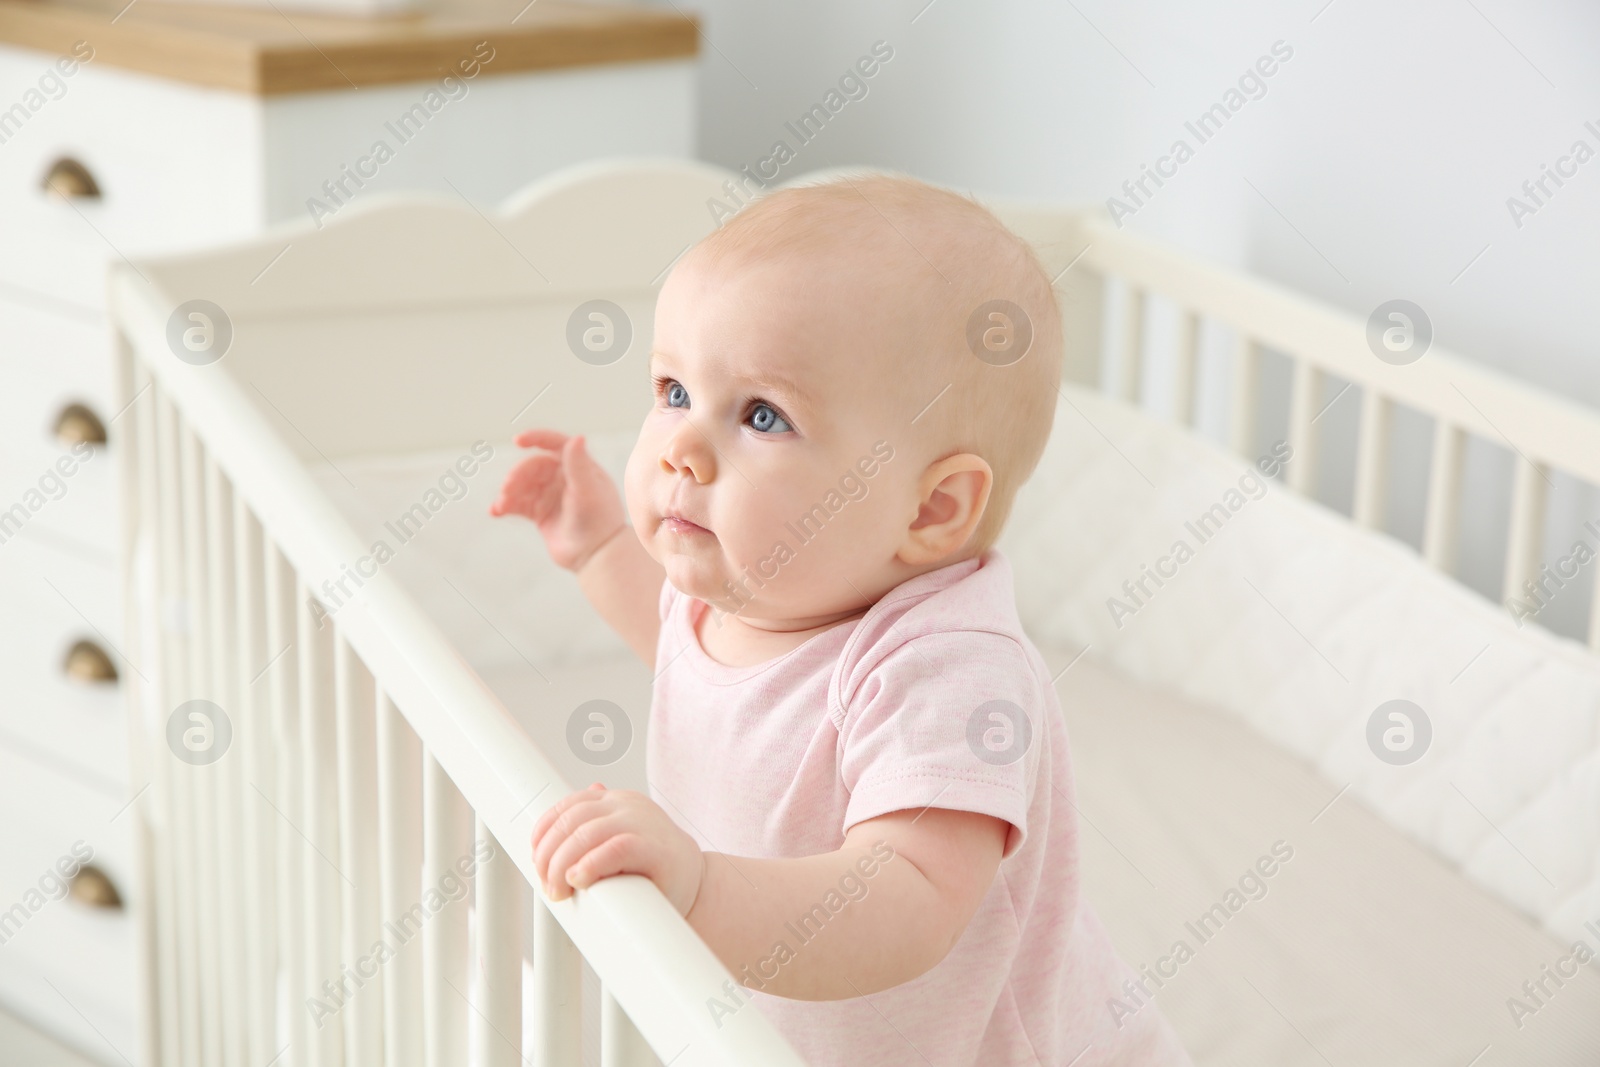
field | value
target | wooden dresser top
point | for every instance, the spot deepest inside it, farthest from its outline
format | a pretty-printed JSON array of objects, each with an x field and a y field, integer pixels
[{"x": 279, "y": 49}]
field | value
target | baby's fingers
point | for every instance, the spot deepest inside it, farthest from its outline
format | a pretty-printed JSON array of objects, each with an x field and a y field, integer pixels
[
  {"x": 531, "y": 488},
  {"x": 624, "y": 852},
  {"x": 540, "y": 438},
  {"x": 555, "y": 824},
  {"x": 554, "y": 811},
  {"x": 578, "y": 851},
  {"x": 579, "y": 466}
]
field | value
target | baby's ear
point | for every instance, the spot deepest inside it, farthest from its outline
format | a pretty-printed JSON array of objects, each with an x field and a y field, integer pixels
[{"x": 953, "y": 494}]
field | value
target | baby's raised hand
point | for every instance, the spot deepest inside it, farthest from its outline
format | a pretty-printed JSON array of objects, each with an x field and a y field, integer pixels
[
  {"x": 566, "y": 493},
  {"x": 597, "y": 832}
]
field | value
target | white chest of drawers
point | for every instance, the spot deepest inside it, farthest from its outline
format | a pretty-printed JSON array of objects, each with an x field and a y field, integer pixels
[{"x": 195, "y": 126}]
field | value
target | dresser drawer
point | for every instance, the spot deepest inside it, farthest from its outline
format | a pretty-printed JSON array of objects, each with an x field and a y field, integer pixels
[
  {"x": 69, "y": 722},
  {"x": 175, "y": 165},
  {"x": 46, "y": 345},
  {"x": 50, "y": 364},
  {"x": 56, "y": 248},
  {"x": 66, "y": 965}
]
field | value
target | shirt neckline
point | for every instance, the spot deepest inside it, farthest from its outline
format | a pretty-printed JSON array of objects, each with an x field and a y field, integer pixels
[{"x": 723, "y": 674}]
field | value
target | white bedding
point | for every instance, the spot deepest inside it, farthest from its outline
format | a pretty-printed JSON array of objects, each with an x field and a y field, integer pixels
[
  {"x": 1302, "y": 624},
  {"x": 1367, "y": 949},
  {"x": 1223, "y": 716}
]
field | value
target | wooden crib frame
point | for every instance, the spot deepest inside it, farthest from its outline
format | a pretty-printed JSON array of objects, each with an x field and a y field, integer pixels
[
  {"x": 391, "y": 755},
  {"x": 1545, "y": 432}
]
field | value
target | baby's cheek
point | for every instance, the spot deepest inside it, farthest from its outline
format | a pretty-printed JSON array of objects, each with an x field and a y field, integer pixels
[
  {"x": 633, "y": 490},
  {"x": 750, "y": 526},
  {"x": 806, "y": 536},
  {"x": 760, "y": 516}
]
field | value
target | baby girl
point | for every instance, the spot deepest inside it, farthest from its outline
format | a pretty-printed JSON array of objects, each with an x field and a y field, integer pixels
[{"x": 860, "y": 794}]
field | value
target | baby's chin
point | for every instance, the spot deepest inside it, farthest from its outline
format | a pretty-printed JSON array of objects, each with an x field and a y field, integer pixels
[
  {"x": 692, "y": 574},
  {"x": 708, "y": 577}
]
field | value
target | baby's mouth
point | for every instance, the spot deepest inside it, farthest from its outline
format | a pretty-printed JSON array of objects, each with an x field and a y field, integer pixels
[{"x": 674, "y": 524}]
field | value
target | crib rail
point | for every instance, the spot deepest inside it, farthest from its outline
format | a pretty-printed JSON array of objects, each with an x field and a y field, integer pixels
[
  {"x": 345, "y": 885},
  {"x": 1545, "y": 433}
]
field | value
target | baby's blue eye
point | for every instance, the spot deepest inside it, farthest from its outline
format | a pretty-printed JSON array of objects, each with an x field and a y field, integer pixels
[
  {"x": 674, "y": 391},
  {"x": 763, "y": 417}
]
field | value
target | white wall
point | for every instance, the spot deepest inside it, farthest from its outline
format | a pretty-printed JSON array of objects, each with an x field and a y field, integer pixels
[{"x": 1387, "y": 146}]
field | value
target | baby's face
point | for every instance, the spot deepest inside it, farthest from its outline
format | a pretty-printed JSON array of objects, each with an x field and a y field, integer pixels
[{"x": 777, "y": 432}]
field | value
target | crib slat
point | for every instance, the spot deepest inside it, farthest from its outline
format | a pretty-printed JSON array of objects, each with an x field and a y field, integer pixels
[
  {"x": 216, "y": 1017},
  {"x": 1525, "y": 545},
  {"x": 498, "y": 1018},
  {"x": 621, "y": 1044},
  {"x": 131, "y": 451},
  {"x": 1303, "y": 397},
  {"x": 319, "y": 812},
  {"x": 224, "y": 772},
  {"x": 400, "y": 853},
  {"x": 162, "y": 931},
  {"x": 179, "y": 808},
  {"x": 251, "y": 734},
  {"x": 283, "y": 802},
  {"x": 1081, "y": 300},
  {"x": 558, "y": 988},
  {"x": 1372, "y": 460},
  {"x": 1246, "y": 384},
  {"x": 446, "y": 840},
  {"x": 1185, "y": 372},
  {"x": 358, "y": 851},
  {"x": 1129, "y": 375},
  {"x": 1444, "y": 496},
  {"x": 158, "y": 944}
]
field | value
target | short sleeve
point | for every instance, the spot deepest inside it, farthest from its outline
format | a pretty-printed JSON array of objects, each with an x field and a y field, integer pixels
[{"x": 947, "y": 720}]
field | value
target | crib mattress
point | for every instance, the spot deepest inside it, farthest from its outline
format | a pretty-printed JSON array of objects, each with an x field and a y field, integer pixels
[{"x": 1363, "y": 948}]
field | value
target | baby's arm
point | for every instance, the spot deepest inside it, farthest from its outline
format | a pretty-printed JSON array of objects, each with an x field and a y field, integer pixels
[
  {"x": 871, "y": 922},
  {"x": 914, "y": 909},
  {"x": 579, "y": 512},
  {"x": 624, "y": 585}
]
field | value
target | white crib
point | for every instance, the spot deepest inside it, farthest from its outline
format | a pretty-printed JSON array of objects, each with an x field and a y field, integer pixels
[{"x": 367, "y": 753}]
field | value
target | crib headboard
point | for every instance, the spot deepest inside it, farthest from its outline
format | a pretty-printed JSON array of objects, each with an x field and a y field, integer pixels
[{"x": 400, "y": 267}]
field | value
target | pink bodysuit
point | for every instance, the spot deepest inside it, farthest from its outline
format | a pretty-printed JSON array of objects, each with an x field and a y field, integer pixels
[{"x": 936, "y": 698}]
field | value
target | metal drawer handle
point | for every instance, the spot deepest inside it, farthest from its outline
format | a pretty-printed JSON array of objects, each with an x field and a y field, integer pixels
[
  {"x": 77, "y": 424},
  {"x": 88, "y": 663},
  {"x": 68, "y": 178},
  {"x": 94, "y": 887}
]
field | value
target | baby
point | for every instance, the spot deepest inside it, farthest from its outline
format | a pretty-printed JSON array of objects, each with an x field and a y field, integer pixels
[{"x": 860, "y": 794}]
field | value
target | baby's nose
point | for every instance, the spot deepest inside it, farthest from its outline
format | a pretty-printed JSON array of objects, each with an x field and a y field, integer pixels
[{"x": 687, "y": 451}]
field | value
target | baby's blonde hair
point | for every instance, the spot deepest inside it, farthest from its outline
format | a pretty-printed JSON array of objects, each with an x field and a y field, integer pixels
[{"x": 959, "y": 257}]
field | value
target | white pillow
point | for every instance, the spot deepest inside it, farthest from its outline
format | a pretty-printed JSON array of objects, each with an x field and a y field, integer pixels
[{"x": 1296, "y": 620}]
